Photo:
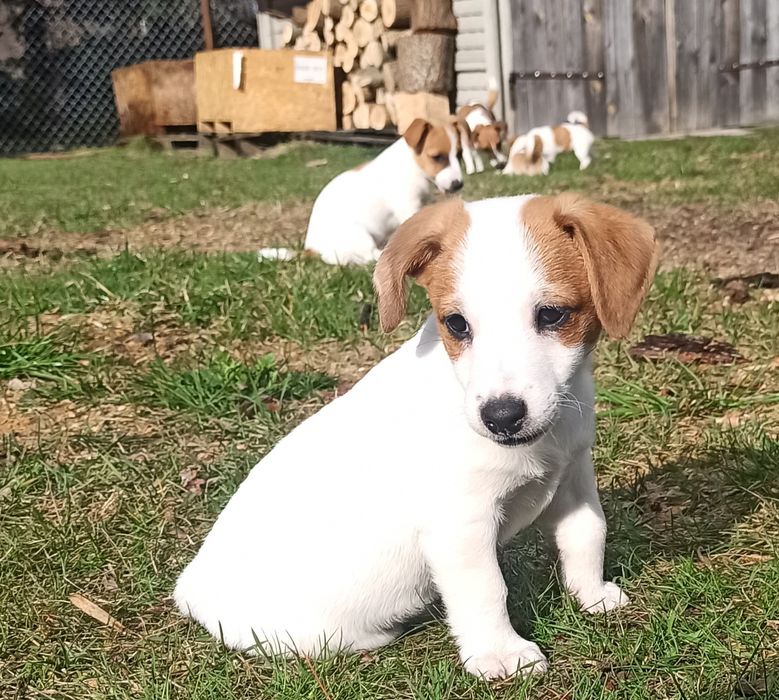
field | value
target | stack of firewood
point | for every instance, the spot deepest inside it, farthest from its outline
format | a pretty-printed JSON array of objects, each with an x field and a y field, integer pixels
[{"x": 397, "y": 56}]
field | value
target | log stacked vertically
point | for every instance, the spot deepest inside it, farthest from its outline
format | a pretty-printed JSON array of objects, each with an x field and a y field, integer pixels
[{"x": 397, "y": 56}]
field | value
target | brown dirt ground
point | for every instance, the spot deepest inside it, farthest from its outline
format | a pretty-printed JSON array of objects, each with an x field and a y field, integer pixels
[{"x": 724, "y": 242}]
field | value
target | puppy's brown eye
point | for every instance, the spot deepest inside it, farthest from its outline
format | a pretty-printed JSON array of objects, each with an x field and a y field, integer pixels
[
  {"x": 549, "y": 317},
  {"x": 457, "y": 326},
  {"x": 441, "y": 158}
]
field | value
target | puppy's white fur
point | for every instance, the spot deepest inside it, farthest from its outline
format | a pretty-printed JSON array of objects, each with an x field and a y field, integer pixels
[
  {"x": 395, "y": 493},
  {"x": 581, "y": 140},
  {"x": 358, "y": 210}
]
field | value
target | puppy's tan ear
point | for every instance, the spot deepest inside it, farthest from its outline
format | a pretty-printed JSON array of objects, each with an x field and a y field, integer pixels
[
  {"x": 620, "y": 257},
  {"x": 410, "y": 251},
  {"x": 416, "y": 133}
]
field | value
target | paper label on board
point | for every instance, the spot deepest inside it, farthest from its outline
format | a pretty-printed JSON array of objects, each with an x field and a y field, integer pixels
[{"x": 310, "y": 69}]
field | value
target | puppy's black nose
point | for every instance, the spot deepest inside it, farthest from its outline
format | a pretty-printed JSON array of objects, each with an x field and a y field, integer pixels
[
  {"x": 504, "y": 415},
  {"x": 500, "y": 164},
  {"x": 456, "y": 186}
]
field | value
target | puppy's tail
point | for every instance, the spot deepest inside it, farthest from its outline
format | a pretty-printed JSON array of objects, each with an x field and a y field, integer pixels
[
  {"x": 276, "y": 254},
  {"x": 577, "y": 117},
  {"x": 493, "y": 92}
]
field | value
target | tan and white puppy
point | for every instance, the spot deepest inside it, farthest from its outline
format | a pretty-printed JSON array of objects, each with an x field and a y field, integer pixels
[
  {"x": 535, "y": 151},
  {"x": 399, "y": 491},
  {"x": 357, "y": 211},
  {"x": 486, "y": 133}
]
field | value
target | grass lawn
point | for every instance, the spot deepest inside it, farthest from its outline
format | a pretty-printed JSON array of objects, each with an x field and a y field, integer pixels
[{"x": 138, "y": 387}]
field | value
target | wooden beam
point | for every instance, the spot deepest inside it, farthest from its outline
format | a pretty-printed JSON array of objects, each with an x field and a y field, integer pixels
[{"x": 208, "y": 30}]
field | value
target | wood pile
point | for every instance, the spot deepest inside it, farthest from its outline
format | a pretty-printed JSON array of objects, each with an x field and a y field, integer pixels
[{"x": 397, "y": 56}]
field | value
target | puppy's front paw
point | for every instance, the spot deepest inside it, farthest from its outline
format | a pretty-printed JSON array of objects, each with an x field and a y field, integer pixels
[
  {"x": 522, "y": 657},
  {"x": 609, "y": 597}
]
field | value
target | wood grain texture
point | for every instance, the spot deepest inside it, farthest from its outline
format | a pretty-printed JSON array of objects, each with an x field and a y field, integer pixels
[{"x": 269, "y": 99}]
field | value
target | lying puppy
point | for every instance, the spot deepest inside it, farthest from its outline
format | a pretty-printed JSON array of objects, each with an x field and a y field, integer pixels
[
  {"x": 486, "y": 133},
  {"x": 358, "y": 210},
  {"x": 400, "y": 490},
  {"x": 532, "y": 153}
]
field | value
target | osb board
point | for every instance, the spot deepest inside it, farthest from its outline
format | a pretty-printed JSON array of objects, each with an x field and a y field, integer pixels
[
  {"x": 271, "y": 96},
  {"x": 419, "y": 105},
  {"x": 152, "y": 95}
]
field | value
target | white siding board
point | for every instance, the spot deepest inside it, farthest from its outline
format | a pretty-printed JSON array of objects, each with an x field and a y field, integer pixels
[
  {"x": 470, "y": 24},
  {"x": 466, "y": 42},
  {"x": 469, "y": 8}
]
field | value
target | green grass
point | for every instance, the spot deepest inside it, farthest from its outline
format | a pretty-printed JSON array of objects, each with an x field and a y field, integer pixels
[
  {"x": 97, "y": 459},
  {"x": 117, "y": 187},
  {"x": 114, "y": 188},
  {"x": 224, "y": 387},
  {"x": 37, "y": 358},
  {"x": 304, "y": 300}
]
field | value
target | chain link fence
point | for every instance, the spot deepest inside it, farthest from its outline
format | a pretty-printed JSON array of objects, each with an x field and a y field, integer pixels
[{"x": 56, "y": 58}]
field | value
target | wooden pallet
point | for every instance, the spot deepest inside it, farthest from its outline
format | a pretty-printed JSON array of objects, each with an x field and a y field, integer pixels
[{"x": 251, "y": 145}]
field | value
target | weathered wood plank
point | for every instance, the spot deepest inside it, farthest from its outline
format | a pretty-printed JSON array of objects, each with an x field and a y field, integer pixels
[
  {"x": 729, "y": 83},
  {"x": 623, "y": 117},
  {"x": 687, "y": 69},
  {"x": 772, "y": 52},
  {"x": 753, "y": 48},
  {"x": 572, "y": 92},
  {"x": 650, "y": 65},
  {"x": 520, "y": 97},
  {"x": 594, "y": 59}
]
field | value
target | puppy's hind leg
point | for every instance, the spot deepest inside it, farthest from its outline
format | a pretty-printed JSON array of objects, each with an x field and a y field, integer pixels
[{"x": 575, "y": 519}]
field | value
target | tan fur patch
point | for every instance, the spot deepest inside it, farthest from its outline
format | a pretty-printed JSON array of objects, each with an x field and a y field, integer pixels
[
  {"x": 599, "y": 260},
  {"x": 563, "y": 267},
  {"x": 357, "y": 168},
  {"x": 487, "y": 137},
  {"x": 465, "y": 110},
  {"x": 423, "y": 248},
  {"x": 435, "y": 147},
  {"x": 524, "y": 163},
  {"x": 562, "y": 137}
]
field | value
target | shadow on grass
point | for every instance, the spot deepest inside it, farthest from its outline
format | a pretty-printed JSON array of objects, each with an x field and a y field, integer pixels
[{"x": 687, "y": 539}]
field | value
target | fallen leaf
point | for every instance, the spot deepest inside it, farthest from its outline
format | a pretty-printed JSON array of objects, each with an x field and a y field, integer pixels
[
  {"x": 737, "y": 291},
  {"x": 316, "y": 163},
  {"x": 191, "y": 481},
  {"x": 95, "y": 612},
  {"x": 685, "y": 348},
  {"x": 272, "y": 405},
  {"x": 142, "y": 338}
]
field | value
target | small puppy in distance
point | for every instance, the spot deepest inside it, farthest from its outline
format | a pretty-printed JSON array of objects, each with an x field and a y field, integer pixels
[
  {"x": 356, "y": 212},
  {"x": 533, "y": 152},
  {"x": 399, "y": 491},
  {"x": 486, "y": 133}
]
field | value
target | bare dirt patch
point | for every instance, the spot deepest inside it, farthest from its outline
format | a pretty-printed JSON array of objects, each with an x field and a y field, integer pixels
[
  {"x": 724, "y": 242},
  {"x": 245, "y": 228}
]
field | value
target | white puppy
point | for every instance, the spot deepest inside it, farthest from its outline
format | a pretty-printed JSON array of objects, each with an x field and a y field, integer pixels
[
  {"x": 532, "y": 153},
  {"x": 400, "y": 490},
  {"x": 357, "y": 211}
]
